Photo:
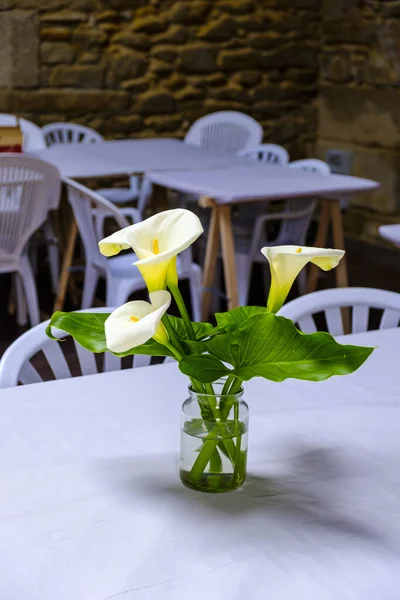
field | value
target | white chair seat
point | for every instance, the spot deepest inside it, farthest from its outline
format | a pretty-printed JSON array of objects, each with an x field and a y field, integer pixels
[
  {"x": 119, "y": 195},
  {"x": 391, "y": 233}
]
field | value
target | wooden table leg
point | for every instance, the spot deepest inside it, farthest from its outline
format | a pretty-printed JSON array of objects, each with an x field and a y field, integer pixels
[
  {"x": 66, "y": 263},
  {"x": 228, "y": 255},
  {"x": 210, "y": 262},
  {"x": 320, "y": 242},
  {"x": 342, "y": 279}
]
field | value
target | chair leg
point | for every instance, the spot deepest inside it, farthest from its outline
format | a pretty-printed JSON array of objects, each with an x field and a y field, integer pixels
[
  {"x": 195, "y": 284},
  {"x": 19, "y": 299},
  {"x": 89, "y": 286},
  {"x": 30, "y": 289},
  {"x": 53, "y": 254},
  {"x": 243, "y": 271}
]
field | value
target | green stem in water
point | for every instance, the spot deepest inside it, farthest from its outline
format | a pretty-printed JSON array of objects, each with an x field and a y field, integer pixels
[{"x": 183, "y": 310}]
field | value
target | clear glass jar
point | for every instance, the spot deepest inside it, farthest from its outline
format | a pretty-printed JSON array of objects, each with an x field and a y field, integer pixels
[{"x": 214, "y": 434}]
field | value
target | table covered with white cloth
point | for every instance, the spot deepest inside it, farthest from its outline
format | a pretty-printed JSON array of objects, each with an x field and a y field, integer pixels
[{"x": 91, "y": 506}]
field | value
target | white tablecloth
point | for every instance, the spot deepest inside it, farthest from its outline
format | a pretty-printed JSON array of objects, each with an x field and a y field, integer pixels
[
  {"x": 91, "y": 507},
  {"x": 127, "y": 157},
  {"x": 252, "y": 181}
]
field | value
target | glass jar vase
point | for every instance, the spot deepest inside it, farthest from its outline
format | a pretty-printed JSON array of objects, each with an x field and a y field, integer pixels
[{"x": 214, "y": 434}]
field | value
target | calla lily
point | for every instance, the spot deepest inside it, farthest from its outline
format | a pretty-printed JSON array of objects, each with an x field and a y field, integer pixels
[
  {"x": 156, "y": 242},
  {"x": 286, "y": 262},
  {"x": 135, "y": 323}
]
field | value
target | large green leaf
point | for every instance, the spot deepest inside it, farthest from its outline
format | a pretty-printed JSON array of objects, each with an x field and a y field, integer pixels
[
  {"x": 231, "y": 320},
  {"x": 88, "y": 330},
  {"x": 203, "y": 367},
  {"x": 201, "y": 330},
  {"x": 271, "y": 347}
]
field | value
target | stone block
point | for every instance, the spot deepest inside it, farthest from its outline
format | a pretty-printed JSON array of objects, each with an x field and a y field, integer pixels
[
  {"x": 165, "y": 53},
  {"x": 138, "y": 85},
  {"x": 53, "y": 53},
  {"x": 197, "y": 58},
  {"x": 148, "y": 24},
  {"x": 243, "y": 58},
  {"x": 264, "y": 41},
  {"x": 64, "y": 16},
  {"x": 123, "y": 63},
  {"x": 247, "y": 77},
  {"x": 77, "y": 76},
  {"x": 138, "y": 41},
  {"x": 188, "y": 13},
  {"x": 19, "y": 49},
  {"x": 156, "y": 101},
  {"x": 175, "y": 34},
  {"x": 238, "y": 7},
  {"x": 293, "y": 55},
  {"x": 219, "y": 29},
  {"x": 189, "y": 93},
  {"x": 57, "y": 101},
  {"x": 88, "y": 37},
  {"x": 55, "y": 33},
  {"x": 164, "y": 124},
  {"x": 360, "y": 116}
]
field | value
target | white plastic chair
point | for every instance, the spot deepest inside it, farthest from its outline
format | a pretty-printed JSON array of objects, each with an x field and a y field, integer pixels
[
  {"x": 33, "y": 139},
  {"x": 122, "y": 278},
  {"x": 32, "y": 134},
  {"x": 271, "y": 154},
  {"x": 391, "y": 233},
  {"x": 229, "y": 131},
  {"x": 361, "y": 300},
  {"x": 294, "y": 221},
  {"x": 29, "y": 188},
  {"x": 73, "y": 133},
  {"x": 16, "y": 366}
]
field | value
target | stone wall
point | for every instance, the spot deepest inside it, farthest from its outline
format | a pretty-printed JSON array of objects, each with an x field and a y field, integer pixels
[
  {"x": 360, "y": 102},
  {"x": 146, "y": 68}
]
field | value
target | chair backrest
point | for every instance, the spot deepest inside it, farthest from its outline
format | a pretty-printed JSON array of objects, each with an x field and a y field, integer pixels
[
  {"x": 70, "y": 133},
  {"x": 16, "y": 364},
  {"x": 311, "y": 164},
  {"x": 300, "y": 210},
  {"x": 270, "y": 154},
  {"x": 228, "y": 131},
  {"x": 90, "y": 209},
  {"x": 360, "y": 300},
  {"x": 29, "y": 188},
  {"x": 32, "y": 134}
]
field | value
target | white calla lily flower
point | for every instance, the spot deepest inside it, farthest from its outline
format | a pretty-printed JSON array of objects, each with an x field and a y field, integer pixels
[
  {"x": 286, "y": 262},
  {"x": 135, "y": 323},
  {"x": 156, "y": 242}
]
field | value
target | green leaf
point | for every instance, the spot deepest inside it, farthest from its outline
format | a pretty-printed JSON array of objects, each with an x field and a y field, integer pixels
[
  {"x": 271, "y": 347},
  {"x": 231, "y": 320},
  {"x": 203, "y": 367},
  {"x": 201, "y": 330},
  {"x": 88, "y": 330}
]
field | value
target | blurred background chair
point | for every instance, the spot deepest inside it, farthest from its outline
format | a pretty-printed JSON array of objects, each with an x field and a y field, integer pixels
[
  {"x": 330, "y": 302},
  {"x": 73, "y": 133},
  {"x": 33, "y": 138},
  {"x": 287, "y": 225},
  {"x": 270, "y": 154},
  {"x": 17, "y": 363},
  {"x": 228, "y": 131},
  {"x": 29, "y": 189},
  {"x": 122, "y": 278}
]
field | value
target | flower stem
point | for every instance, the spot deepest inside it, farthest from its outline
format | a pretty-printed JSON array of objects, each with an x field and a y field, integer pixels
[{"x": 183, "y": 310}]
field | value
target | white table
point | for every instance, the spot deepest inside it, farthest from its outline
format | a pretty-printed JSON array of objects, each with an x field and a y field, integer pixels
[
  {"x": 123, "y": 157},
  {"x": 250, "y": 182},
  {"x": 92, "y": 509},
  {"x": 129, "y": 157}
]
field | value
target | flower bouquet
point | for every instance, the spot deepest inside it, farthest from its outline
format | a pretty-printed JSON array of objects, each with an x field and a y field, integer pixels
[{"x": 245, "y": 342}]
